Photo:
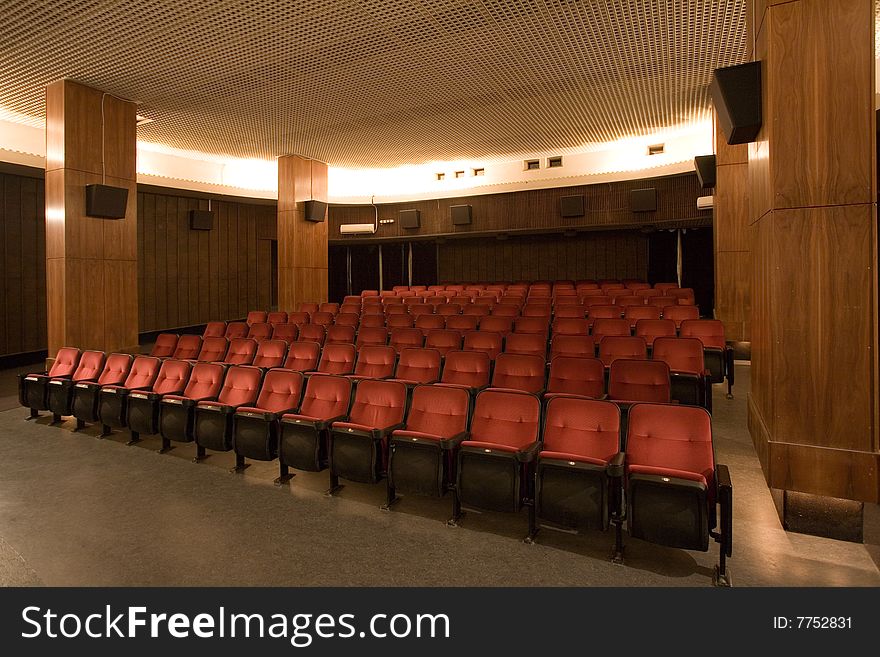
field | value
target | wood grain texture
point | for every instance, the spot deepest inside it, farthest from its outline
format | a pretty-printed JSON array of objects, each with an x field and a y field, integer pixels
[
  {"x": 725, "y": 153},
  {"x": 547, "y": 257},
  {"x": 820, "y": 74},
  {"x": 606, "y": 205},
  {"x": 189, "y": 277},
  {"x": 731, "y": 211},
  {"x": 733, "y": 293}
]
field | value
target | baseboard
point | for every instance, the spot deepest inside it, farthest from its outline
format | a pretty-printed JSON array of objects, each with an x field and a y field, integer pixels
[{"x": 10, "y": 361}]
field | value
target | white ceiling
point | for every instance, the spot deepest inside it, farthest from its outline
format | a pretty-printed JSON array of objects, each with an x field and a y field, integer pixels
[{"x": 379, "y": 83}]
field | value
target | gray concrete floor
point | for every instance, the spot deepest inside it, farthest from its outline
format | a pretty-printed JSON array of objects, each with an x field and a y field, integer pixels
[{"x": 75, "y": 510}]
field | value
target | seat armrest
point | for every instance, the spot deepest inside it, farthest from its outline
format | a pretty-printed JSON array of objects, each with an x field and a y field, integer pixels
[
  {"x": 385, "y": 431},
  {"x": 615, "y": 465},
  {"x": 725, "y": 499},
  {"x": 722, "y": 478},
  {"x": 454, "y": 441},
  {"x": 321, "y": 425},
  {"x": 527, "y": 454}
]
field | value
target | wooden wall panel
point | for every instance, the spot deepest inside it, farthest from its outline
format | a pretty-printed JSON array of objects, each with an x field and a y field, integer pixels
[
  {"x": 587, "y": 256},
  {"x": 22, "y": 264},
  {"x": 606, "y": 205},
  {"x": 191, "y": 277}
]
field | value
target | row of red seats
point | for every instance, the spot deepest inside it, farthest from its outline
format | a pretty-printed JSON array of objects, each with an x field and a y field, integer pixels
[{"x": 498, "y": 457}]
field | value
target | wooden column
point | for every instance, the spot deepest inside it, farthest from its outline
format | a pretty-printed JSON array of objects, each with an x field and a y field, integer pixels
[
  {"x": 91, "y": 263},
  {"x": 302, "y": 245},
  {"x": 732, "y": 235},
  {"x": 813, "y": 406}
]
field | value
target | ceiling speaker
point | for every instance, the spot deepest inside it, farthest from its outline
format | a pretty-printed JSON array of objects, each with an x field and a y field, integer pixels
[
  {"x": 572, "y": 206},
  {"x": 106, "y": 202},
  {"x": 201, "y": 219},
  {"x": 643, "y": 200},
  {"x": 461, "y": 214},
  {"x": 410, "y": 219},
  {"x": 736, "y": 92},
  {"x": 315, "y": 210},
  {"x": 705, "y": 166}
]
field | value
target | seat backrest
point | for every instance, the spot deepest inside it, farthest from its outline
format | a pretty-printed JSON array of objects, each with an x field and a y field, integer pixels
[
  {"x": 486, "y": 341},
  {"x": 302, "y": 356},
  {"x": 405, "y": 337},
  {"x": 337, "y": 334},
  {"x": 213, "y": 349},
  {"x": 609, "y": 311},
  {"x": 531, "y": 344},
  {"x": 615, "y": 347},
  {"x": 312, "y": 333},
  {"x": 165, "y": 345},
  {"x": 639, "y": 380},
  {"x": 506, "y": 418},
  {"x": 651, "y": 329},
  {"x": 467, "y": 368},
  {"x": 502, "y": 325},
  {"x": 270, "y": 353},
  {"x": 172, "y": 376},
  {"x": 378, "y": 404},
  {"x": 476, "y": 310},
  {"x": 337, "y": 359},
  {"x": 569, "y": 326},
  {"x": 399, "y": 320},
  {"x": 608, "y": 327},
  {"x": 142, "y": 373},
  {"x": 286, "y": 332},
  {"x": 582, "y": 427},
  {"x": 685, "y": 295},
  {"x": 420, "y": 365},
  {"x": 237, "y": 330},
  {"x": 443, "y": 340},
  {"x": 418, "y": 309},
  {"x": 299, "y": 318},
  {"x": 375, "y": 362},
  {"x": 66, "y": 361},
  {"x": 372, "y": 335},
  {"x": 449, "y": 309},
  {"x": 204, "y": 381},
  {"x": 596, "y": 300},
  {"x": 680, "y": 313},
  {"x": 671, "y": 438},
  {"x": 627, "y": 300},
  {"x": 116, "y": 369},
  {"x": 347, "y": 319},
  {"x": 90, "y": 365},
  {"x": 438, "y": 410},
  {"x": 326, "y": 397},
  {"x": 281, "y": 391},
  {"x": 215, "y": 330},
  {"x": 241, "y": 385},
  {"x": 188, "y": 347},
  {"x": 256, "y": 316},
  {"x": 708, "y": 331},
  {"x": 329, "y": 307},
  {"x": 430, "y": 322},
  {"x": 519, "y": 372},
  {"x": 576, "y": 376},
  {"x": 322, "y": 318},
  {"x": 681, "y": 354},
  {"x": 462, "y": 322},
  {"x": 276, "y": 317},
  {"x": 663, "y": 301},
  {"x": 537, "y": 325},
  {"x": 570, "y": 311},
  {"x": 369, "y": 320},
  {"x": 634, "y": 313},
  {"x": 506, "y": 309},
  {"x": 241, "y": 352},
  {"x": 582, "y": 346},
  {"x": 260, "y": 331},
  {"x": 308, "y": 307}
]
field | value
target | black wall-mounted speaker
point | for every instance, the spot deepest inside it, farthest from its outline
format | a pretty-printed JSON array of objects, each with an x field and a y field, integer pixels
[
  {"x": 572, "y": 206},
  {"x": 315, "y": 210},
  {"x": 736, "y": 92},
  {"x": 643, "y": 200},
  {"x": 705, "y": 166},
  {"x": 201, "y": 219},
  {"x": 461, "y": 214},
  {"x": 410, "y": 219},
  {"x": 106, "y": 202}
]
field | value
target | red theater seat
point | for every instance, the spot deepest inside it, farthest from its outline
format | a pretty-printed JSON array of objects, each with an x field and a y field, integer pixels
[
  {"x": 402, "y": 338},
  {"x": 639, "y": 380},
  {"x": 176, "y": 412},
  {"x": 519, "y": 372},
  {"x": 443, "y": 341},
  {"x": 302, "y": 356},
  {"x": 312, "y": 333},
  {"x": 340, "y": 335},
  {"x": 215, "y": 330},
  {"x": 467, "y": 369},
  {"x": 462, "y": 323},
  {"x": 142, "y": 409},
  {"x": 255, "y": 317},
  {"x": 678, "y": 314},
  {"x": 529, "y": 344},
  {"x": 612, "y": 348},
  {"x": 485, "y": 341},
  {"x": 86, "y": 393},
  {"x": 374, "y": 362},
  {"x": 113, "y": 399},
  {"x": 651, "y": 329},
  {"x": 286, "y": 332},
  {"x": 237, "y": 330},
  {"x": 418, "y": 366},
  {"x": 212, "y": 425},
  {"x": 59, "y": 389},
  {"x": 260, "y": 331},
  {"x": 372, "y": 335},
  {"x": 270, "y": 353},
  {"x": 569, "y": 375},
  {"x": 165, "y": 345},
  {"x": 689, "y": 377},
  {"x": 33, "y": 387},
  {"x": 276, "y": 317},
  {"x": 580, "y": 346},
  {"x": 336, "y": 359},
  {"x": 241, "y": 352}
]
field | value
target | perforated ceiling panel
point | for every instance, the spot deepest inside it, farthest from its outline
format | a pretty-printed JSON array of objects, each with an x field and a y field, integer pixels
[{"x": 377, "y": 83}]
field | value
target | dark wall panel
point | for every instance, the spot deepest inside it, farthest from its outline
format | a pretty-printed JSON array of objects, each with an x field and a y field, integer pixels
[
  {"x": 22, "y": 264},
  {"x": 619, "y": 254},
  {"x": 190, "y": 277}
]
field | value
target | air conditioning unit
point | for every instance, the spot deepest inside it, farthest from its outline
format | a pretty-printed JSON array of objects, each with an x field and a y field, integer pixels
[
  {"x": 357, "y": 229},
  {"x": 705, "y": 202}
]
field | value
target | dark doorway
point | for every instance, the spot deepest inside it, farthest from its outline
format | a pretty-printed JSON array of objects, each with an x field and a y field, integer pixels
[
  {"x": 424, "y": 263},
  {"x": 662, "y": 257},
  {"x": 698, "y": 267},
  {"x": 394, "y": 271},
  {"x": 337, "y": 279},
  {"x": 364, "y": 267}
]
